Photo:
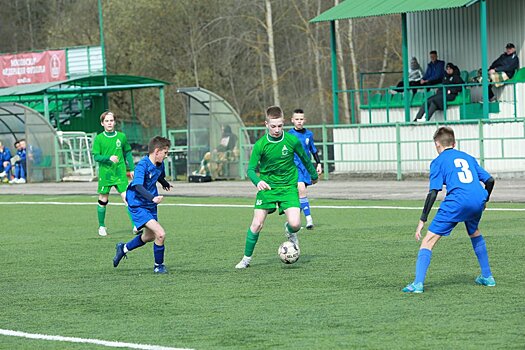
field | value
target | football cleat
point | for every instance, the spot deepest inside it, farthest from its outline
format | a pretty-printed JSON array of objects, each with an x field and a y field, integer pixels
[
  {"x": 160, "y": 269},
  {"x": 102, "y": 231},
  {"x": 486, "y": 281},
  {"x": 414, "y": 288},
  {"x": 309, "y": 223},
  {"x": 119, "y": 254},
  {"x": 21, "y": 181},
  {"x": 292, "y": 237},
  {"x": 244, "y": 263}
]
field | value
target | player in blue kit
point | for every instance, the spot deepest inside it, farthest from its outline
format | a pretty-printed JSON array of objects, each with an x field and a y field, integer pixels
[
  {"x": 307, "y": 140},
  {"x": 465, "y": 201},
  {"x": 142, "y": 197}
]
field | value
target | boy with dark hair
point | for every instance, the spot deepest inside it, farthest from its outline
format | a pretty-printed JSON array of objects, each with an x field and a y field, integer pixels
[
  {"x": 19, "y": 163},
  {"x": 307, "y": 141},
  {"x": 274, "y": 154},
  {"x": 465, "y": 201},
  {"x": 112, "y": 152},
  {"x": 143, "y": 198}
]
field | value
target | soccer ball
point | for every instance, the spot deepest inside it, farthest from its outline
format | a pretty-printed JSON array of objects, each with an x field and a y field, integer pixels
[{"x": 288, "y": 252}]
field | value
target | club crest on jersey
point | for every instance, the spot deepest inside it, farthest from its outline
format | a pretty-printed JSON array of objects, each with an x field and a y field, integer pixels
[
  {"x": 118, "y": 143},
  {"x": 307, "y": 141},
  {"x": 285, "y": 150}
]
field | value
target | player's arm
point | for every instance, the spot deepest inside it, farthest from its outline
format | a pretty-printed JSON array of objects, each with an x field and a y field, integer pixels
[
  {"x": 253, "y": 163},
  {"x": 489, "y": 186},
  {"x": 429, "y": 202},
  {"x": 298, "y": 149},
  {"x": 162, "y": 180}
]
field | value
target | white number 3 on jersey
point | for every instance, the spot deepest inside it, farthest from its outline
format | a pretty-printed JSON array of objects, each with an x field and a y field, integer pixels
[{"x": 465, "y": 175}]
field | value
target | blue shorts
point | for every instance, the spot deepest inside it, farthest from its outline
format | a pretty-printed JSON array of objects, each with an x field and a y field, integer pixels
[
  {"x": 441, "y": 225},
  {"x": 141, "y": 216},
  {"x": 304, "y": 175}
]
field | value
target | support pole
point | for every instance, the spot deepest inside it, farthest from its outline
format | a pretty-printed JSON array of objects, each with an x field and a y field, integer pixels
[
  {"x": 484, "y": 60},
  {"x": 406, "y": 61},
  {"x": 164, "y": 130},
  {"x": 335, "y": 83}
]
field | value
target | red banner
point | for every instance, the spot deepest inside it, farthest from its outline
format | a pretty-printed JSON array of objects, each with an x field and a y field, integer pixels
[{"x": 32, "y": 68}]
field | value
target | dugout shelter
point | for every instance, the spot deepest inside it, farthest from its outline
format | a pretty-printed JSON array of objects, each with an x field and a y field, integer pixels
[
  {"x": 19, "y": 122},
  {"x": 208, "y": 114}
]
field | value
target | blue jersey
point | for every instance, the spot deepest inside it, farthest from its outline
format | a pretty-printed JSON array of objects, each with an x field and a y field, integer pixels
[
  {"x": 22, "y": 154},
  {"x": 461, "y": 174},
  {"x": 5, "y": 155},
  {"x": 146, "y": 174},
  {"x": 307, "y": 140}
]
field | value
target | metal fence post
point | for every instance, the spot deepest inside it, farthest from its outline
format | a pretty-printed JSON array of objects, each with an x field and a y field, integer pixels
[
  {"x": 326, "y": 170},
  {"x": 481, "y": 144},
  {"x": 398, "y": 147}
]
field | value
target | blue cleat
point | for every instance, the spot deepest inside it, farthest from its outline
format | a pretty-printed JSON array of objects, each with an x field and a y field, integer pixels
[
  {"x": 119, "y": 254},
  {"x": 486, "y": 281},
  {"x": 414, "y": 288},
  {"x": 160, "y": 269}
]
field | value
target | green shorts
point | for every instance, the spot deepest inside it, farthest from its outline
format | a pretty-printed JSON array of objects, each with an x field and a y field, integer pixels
[
  {"x": 282, "y": 197},
  {"x": 104, "y": 189}
]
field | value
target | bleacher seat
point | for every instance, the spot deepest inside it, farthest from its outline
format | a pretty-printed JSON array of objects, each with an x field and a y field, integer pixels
[
  {"x": 374, "y": 101},
  {"x": 419, "y": 98},
  {"x": 464, "y": 75},
  {"x": 519, "y": 76}
]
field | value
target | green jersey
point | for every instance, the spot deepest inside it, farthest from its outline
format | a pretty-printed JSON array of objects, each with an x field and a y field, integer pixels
[
  {"x": 107, "y": 145},
  {"x": 275, "y": 158}
]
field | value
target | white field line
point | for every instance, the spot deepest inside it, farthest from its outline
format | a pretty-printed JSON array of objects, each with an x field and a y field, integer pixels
[
  {"x": 111, "y": 344},
  {"x": 249, "y": 206}
]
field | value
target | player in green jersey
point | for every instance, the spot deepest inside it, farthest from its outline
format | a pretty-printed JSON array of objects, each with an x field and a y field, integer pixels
[
  {"x": 277, "y": 181},
  {"x": 112, "y": 151}
]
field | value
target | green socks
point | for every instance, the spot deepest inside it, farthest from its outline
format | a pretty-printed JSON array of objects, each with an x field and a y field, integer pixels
[
  {"x": 101, "y": 211},
  {"x": 251, "y": 240}
]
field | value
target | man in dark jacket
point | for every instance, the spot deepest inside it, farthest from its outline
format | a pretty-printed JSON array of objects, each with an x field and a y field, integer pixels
[
  {"x": 435, "y": 70},
  {"x": 503, "y": 68},
  {"x": 435, "y": 102}
]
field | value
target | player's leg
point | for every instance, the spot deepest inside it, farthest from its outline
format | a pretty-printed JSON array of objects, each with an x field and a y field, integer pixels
[
  {"x": 305, "y": 205},
  {"x": 122, "y": 192},
  {"x": 439, "y": 227},
  {"x": 103, "y": 199},
  {"x": 293, "y": 224},
  {"x": 155, "y": 232},
  {"x": 480, "y": 249},
  {"x": 259, "y": 216}
]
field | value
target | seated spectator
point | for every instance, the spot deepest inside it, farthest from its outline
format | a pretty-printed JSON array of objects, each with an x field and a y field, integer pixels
[
  {"x": 225, "y": 150},
  {"x": 19, "y": 163},
  {"x": 5, "y": 163},
  {"x": 204, "y": 169},
  {"x": 415, "y": 74},
  {"x": 435, "y": 70},
  {"x": 503, "y": 68},
  {"x": 435, "y": 102}
]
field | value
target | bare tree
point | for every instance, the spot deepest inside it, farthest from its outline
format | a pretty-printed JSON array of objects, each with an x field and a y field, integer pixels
[{"x": 271, "y": 53}]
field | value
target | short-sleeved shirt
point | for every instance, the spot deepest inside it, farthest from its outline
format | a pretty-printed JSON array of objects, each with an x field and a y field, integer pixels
[
  {"x": 146, "y": 174},
  {"x": 461, "y": 174},
  {"x": 106, "y": 145},
  {"x": 275, "y": 158}
]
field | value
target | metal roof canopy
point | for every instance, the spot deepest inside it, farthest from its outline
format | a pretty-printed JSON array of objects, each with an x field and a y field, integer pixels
[
  {"x": 89, "y": 85},
  {"x": 371, "y": 8}
]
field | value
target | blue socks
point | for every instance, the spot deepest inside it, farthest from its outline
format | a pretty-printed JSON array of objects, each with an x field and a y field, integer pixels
[
  {"x": 305, "y": 206},
  {"x": 135, "y": 243},
  {"x": 158, "y": 252},
  {"x": 480, "y": 248},
  {"x": 422, "y": 263}
]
